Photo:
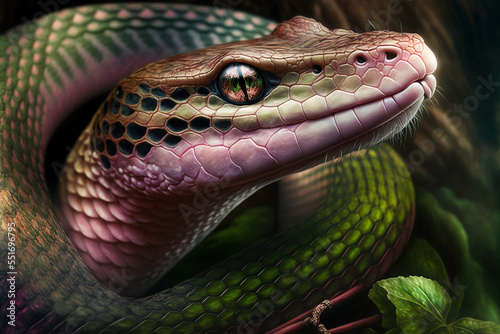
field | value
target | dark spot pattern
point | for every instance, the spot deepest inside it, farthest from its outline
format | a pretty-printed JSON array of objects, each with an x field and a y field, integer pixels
[
  {"x": 223, "y": 124},
  {"x": 158, "y": 100},
  {"x": 105, "y": 127},
  {"x": 99, "y": 145},
  {"x": 117, "y": 130},
  {"x": 143, "y": 149},
  {"x": 126, "y": 111},
  {"x": 199, "y": 123},
  {"x": 158, "y": 92},
  {"x": 105, "y": 161},
  {"x": 149, "y": 104},
  {"x": 119, "y": 92},
  {"x": 115, "y": 106},
  {"x": 156, "y": 135},
  {"x": 180, "y": 94},
  {"x": 167, "y": 105},
  {"x": 125, "y": 147},
  {"x": 105, "y": 107},
  {"x": 135, "y": 131},
  {"x": 203, "y": 90},
  {"x": 176, "y": 124},
  {"x": 172, "y": 140},
  {"x": 97, "y": 129},
  {"x": 144, "y": 89},
  {"x": 132, "y": 98},
  {"x": 110, "y": 147}
]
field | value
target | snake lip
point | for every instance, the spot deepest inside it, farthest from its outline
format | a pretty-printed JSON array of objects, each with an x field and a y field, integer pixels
[
  {"x": 401, "y": 99},
  {"x": 429, "y": 85},
  {"x": 347, "y": 129},
  {"x": 353, "y": 128},
  {"x": 358, "y": 120}
]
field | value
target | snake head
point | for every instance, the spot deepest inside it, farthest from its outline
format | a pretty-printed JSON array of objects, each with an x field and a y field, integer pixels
[{"x": 257, "y": 107}]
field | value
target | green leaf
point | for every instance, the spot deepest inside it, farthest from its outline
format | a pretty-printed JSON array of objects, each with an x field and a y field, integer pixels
[
  {"x": 473, "y": 326},
  {"x": 457, "y": 294},
  {"x": 421, "y": 259},
  {"x": 379, "y": 296},
  {"x": 421, "y": 304}
]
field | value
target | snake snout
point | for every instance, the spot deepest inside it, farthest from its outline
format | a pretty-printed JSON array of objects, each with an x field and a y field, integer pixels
[
  {"x": 429, "y": 59},
  {"x": 429, "y": 80},
  {"x": 383, "y": 56},
  {"x": 429, "y": 85}
]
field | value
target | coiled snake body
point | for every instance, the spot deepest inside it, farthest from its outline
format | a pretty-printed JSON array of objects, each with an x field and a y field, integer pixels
[{"x": 233, "y": 117}]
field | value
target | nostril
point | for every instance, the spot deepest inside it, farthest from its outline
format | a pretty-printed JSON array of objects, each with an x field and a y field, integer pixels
[
  {"x": 317, "y": 69},
  {"x": 361, "y": 60},
  {"x": 390, "y": 55}
]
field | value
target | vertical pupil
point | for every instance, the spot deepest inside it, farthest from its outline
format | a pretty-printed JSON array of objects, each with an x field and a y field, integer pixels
[
  {"x": 241, "y": 83},
  {"x": 236, "y": 84},
  {"x": 250, "y": 82}
]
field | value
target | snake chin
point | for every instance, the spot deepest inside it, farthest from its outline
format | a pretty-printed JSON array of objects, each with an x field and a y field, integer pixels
[
  {"x": 403, "y": 123},
  {"x": 400, "y": 125}
]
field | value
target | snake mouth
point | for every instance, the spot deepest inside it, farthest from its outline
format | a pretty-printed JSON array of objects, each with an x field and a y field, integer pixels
[
  {"x": 340, "y": 132},
  {"x": 429, "y": 85},
  {"x": 383, "y": 118},
  {"x": 364, "y": 118},
  {"x": 268, "y": 153}
]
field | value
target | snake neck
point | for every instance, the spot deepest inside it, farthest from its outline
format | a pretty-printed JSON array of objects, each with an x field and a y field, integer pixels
[{"x": 127, "y": 230}]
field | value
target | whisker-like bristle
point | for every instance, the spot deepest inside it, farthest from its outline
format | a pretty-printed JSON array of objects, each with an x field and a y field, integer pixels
[
  {"x": 374, "y": 28},
  {"x": 440, "y": 90}
]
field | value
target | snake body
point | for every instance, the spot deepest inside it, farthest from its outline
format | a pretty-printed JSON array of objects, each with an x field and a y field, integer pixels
[{"x": 356, "y": 232}]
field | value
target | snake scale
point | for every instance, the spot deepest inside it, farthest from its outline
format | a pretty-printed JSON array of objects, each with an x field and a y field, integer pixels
[{"x": 282, "y": 103}]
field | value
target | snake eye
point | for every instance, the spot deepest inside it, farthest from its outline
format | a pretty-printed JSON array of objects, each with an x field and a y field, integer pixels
[{"x": 241, "y": 83}]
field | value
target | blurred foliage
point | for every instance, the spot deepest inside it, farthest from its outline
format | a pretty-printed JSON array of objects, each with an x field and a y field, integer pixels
[{"x": 466, "y": 236}]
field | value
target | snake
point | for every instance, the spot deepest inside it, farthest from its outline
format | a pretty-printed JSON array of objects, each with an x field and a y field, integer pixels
[{"x": 215, "y": 104}]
